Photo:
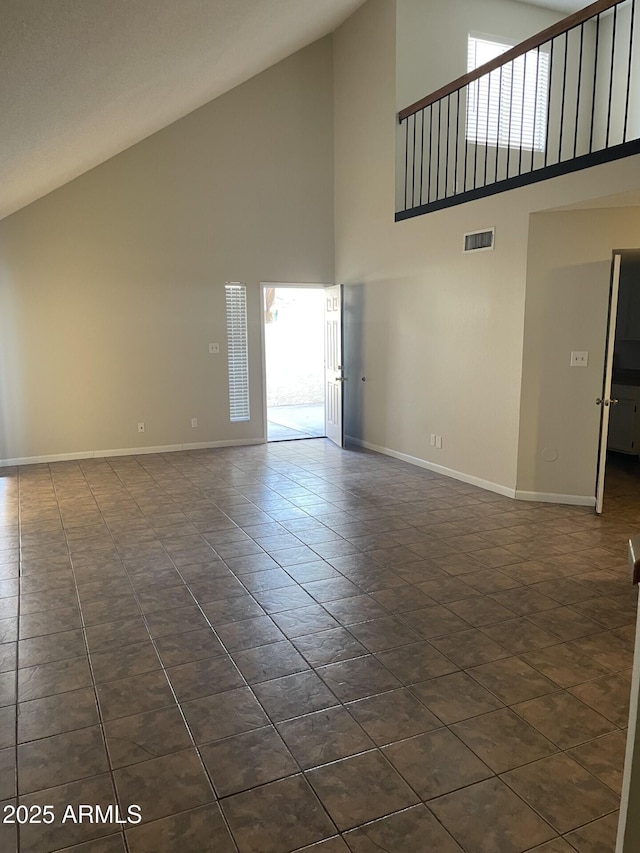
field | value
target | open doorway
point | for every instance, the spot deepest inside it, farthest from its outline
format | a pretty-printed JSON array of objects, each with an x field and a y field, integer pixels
[
  {"x": 621, "y": 406},
  {"x": 294, "y": 341}
]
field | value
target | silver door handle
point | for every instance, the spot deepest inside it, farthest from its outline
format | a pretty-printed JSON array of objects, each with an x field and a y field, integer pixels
[
  {"x": 598, "y": 401},
  {"x": 613, "y": 402},
  {"x": 341, "y": 379}
]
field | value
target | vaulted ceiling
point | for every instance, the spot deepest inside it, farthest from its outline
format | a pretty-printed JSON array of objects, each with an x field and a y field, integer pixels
[{"x": 81, "y": 80}]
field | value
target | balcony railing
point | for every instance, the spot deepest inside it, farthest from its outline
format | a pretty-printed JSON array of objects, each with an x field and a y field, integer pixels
[{"x": 563, "y": 100}]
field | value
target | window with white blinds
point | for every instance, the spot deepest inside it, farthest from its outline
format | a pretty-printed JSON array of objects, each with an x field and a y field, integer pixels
[
  {"x": 238, "y": 354},
  {"x": 508, "y": 107}
]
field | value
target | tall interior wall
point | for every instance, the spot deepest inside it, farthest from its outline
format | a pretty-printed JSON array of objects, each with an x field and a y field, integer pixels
[
  {"x": 438, "y": 336},
  {"x": 112, "y": 287}
]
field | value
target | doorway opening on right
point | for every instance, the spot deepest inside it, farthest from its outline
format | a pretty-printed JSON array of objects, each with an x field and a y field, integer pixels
[{"x": 622, "y": 483}]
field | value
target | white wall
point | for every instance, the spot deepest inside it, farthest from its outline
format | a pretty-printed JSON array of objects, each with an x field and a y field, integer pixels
[
  {"x": 437, "y": 335},
  {"x": 112, "y": 287}
]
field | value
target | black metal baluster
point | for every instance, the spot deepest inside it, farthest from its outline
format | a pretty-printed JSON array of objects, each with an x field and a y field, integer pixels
[
  {"x": 629, "y": 69},
  {"x": 455, "y": 169},
  {"x": 546, "y": 141},
  {"x": 475, "y": 141},
  {"x": 510, "y": 117},
  {"x": 564, "y": 90},
  {"x": 438, "y": 150},
  {"x": 486, "y": 136},
  {"x": 430, "y": 151},
  {"x": 535, "y": 108},
  {"x": 524, "y": 89},
  {"x": 421, "y": 153},
  {"x": 575, "y": 134},
  {"x": 611, "y": 69},
  {"x": 595, "y": 82},
  {"x": 499, "y": 120},
  {"x": 466, "y": 142},
  {"x": 413, "y": 169},
  {"x": 406, "y": 161},
  {"x": 446, "y": 163}
]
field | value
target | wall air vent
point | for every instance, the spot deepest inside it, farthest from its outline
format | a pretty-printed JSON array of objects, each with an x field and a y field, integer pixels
[{"x": 479, "y": 241}]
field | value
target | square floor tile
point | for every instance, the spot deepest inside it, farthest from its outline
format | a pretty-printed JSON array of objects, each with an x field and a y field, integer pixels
[
  {"x": 277, "y": 817},
  {"x": 164, "y": 786},
  {"x": 489, "y": 818},
  {"x": 223, "y": 714},
  {"x": 62, "y": 758},
  {"x": 135, "y": 695},
  {"x": 565, "y": 664},
  {"x": 393, "y": 716},
  {"x": 469, "y": 648},
  {"x": 143, "y": 736},
  {"x": 184, "y": 648},
  {"x": 329, "y": 646},
  {"x": 53, "y": 715},
  {"x": 435, "y": 763},
  {"x": 324, "y": 736},
  {"x": 294, "y": 695},
  {"x": 202, "y": 829},
  {"x": 204, "y": 677},
  {"x": 604, "y": 758},
  {"x": 608, "y": 695},
  {"x": 359, "y": 789},
  {"x": 597, "y": 836},
  {"x": 564, "y": 719},
  {"x": 269, "y": 661},
  {"x": 355, "y": 679},
  {"x": 512, "y": 680},
  {"x": 502, "y": 740},
  {"x": 455, "y": 697},
  {"x": 55, "y": 677},
  {"x": 414, "y": 830},
  {"x": 98, "y": 790},
  {"x": 245, "y": 761},
  {"x": 550, "y": 787},
  {"x": 416, "y": 662}
]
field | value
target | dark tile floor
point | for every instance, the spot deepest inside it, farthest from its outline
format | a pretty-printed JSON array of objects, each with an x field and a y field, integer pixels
[{"x": 292, "y": 647}]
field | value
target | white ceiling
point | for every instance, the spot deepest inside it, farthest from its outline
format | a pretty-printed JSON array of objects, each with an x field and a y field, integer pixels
[{"x": 81, "y": 80}]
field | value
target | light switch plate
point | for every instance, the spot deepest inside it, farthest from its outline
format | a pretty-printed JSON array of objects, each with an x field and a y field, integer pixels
[
  {"x": 214, "y": 348},
  {"x": 579, "y": 359}
]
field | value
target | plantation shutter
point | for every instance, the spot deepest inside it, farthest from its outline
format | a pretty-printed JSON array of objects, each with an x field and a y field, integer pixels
[
  {"x": 236, "y": 299},
  {"x": 508, "y": 107}
]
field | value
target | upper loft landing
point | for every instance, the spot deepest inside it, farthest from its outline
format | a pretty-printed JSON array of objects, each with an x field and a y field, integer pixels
[{"x": 565, "y": 99}]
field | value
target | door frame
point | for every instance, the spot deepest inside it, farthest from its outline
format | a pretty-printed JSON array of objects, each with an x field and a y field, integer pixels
[
  {"x": 604, "y": 400},
  {"x": 617, "y": 260},
  {"x": 263, "y": 343}
]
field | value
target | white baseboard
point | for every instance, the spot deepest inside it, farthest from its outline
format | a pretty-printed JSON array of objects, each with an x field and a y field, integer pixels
[
  {"x": 126, "y": 451},
  {"x": 438, "y": 469},
  {"x": 552, "y": 498}
]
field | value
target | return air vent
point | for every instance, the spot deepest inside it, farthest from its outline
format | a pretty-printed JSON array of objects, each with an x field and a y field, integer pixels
[{"x": 479, "y": 241}]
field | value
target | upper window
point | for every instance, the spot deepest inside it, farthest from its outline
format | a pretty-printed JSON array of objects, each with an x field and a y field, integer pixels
[{"x": 508, "y": 106}]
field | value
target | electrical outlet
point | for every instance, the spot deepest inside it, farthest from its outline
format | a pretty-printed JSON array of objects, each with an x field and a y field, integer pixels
[
  {"x": 194, "y": 423},
  {"x": 579, "y": 359},
  {"x": 439, "y": 442},
  {"x": 141, "y": 426},
  {"x": 214, "y": 348},
  {"x": 433, "y": 439}
]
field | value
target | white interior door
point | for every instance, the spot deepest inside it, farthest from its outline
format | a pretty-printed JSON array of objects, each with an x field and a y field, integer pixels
[
  {"x": 333, "y": 368},
  {"x": 604, "y": 401}
]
